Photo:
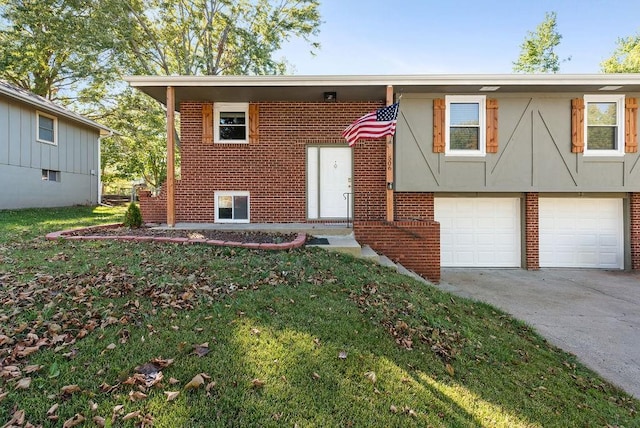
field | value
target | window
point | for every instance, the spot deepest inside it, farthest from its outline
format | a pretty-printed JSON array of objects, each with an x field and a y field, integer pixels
[
  {"x": 50, "y": 175},
  {"x": 232, "y": 207},
  {"x": 465, "y": 118},
  {"x": 47, "y": 131},
  {"x": 230, "y": 122},
  {"x": 604, "y": 125}
]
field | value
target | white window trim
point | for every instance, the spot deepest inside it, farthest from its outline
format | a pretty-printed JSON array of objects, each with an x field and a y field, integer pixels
[
  {"x": 230, "y": 220},
  {"x": 482, "y": 119},
  {"x": 223, "y": 107},
  {"x": 55, "y": 128},
  {"x": 619, "y": 100}
]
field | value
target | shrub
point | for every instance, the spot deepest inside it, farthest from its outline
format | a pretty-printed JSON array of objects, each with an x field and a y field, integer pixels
[{"x": 132, "y": 217}]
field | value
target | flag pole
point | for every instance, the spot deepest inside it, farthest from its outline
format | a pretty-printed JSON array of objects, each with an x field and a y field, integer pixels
[{"x": 389, "y": 159}]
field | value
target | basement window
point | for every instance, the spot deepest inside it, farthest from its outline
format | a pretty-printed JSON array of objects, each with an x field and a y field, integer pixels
[
  {"x": 231, "y": 207},
  {"x": 50, "y": 175}
]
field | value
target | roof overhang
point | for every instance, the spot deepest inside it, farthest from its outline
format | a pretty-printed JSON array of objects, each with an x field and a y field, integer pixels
[
  {"x": 47, "y": 106},
  {"x": 370, "y": 87}
]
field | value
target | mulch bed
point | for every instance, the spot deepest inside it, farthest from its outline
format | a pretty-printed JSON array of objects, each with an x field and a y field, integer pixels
[{"x": 208, "y": 234}]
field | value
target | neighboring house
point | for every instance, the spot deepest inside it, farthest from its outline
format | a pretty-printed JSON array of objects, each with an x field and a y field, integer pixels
[
  {"x": 49, "y": 156},
  {"x": 484, "y": 171}
]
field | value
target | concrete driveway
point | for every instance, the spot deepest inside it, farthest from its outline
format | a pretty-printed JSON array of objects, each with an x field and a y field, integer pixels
[{"x": 594, "y": 314}]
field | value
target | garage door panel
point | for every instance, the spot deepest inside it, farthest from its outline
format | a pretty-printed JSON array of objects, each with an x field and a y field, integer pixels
[
  {"x": 479, "y": 232},
  {"x": 581, "y": 232}
]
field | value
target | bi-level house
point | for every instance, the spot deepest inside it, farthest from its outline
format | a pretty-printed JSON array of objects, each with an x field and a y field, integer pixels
[
  {"x": 484, "y": 170},
  {"x": 49, "y": 155}
]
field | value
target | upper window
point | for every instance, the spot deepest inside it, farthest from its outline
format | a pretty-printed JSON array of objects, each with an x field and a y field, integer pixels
[
  {"x": 465, "y": 125},
  {"x": 230, "y": 122},
  {"x": 604, "y": 125},
  {"x": 232, "y": 207},
  {"x": 47, "y": 131}
]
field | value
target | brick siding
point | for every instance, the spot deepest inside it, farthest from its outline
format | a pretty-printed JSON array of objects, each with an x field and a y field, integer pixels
[
  {"x": 634, "y": 202},
  {"x": 532, "y": 236},
  {"x": 414, "y": 244},
  {"x": 414, "y": 206}
]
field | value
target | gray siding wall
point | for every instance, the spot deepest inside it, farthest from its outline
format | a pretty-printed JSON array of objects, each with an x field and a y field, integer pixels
[
  {"x": 534, "y": 152},
  {"x": 22, "y": 160}
]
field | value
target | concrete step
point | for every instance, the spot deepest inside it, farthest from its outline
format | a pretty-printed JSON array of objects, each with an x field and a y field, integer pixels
[
  {"x": 386, "y": 261},
  {"x": 369, "y": 254},
  {"x": 342, "y": 243}
]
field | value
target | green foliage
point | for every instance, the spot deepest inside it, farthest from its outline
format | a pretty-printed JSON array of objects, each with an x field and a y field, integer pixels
[
  {"x": 275, "y": 324},
  {"x": 625, "y": 58},
  {"x": 537, "y": 52},
  {"x": 76, "y": 52},
  {"x": 133, "y": 216}
]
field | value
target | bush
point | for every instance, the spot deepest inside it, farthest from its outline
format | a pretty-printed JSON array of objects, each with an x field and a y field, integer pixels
[{"x": 132, "y": 217}]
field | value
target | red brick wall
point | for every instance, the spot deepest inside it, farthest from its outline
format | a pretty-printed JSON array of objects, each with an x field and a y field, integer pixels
[
  {"x": 532, "y": 237},
  {"x": 153, "y": 209},
  {"x": 414, "y": 206},
  {"x": 414, "y": 244},
  {"x": 634, "y": 202},
  {"x": 273, "y": 169}
]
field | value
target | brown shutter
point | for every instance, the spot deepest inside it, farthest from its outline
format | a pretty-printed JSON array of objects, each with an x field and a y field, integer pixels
[
  {"x": 438, "y": 125},
  {"x": 631, "y": 125},
  {"x": 254, "y": 113},
  {"x": 492, "y": 126},
  {"x": 207, "y": 123},
  {"x": 577, "y": 125}
]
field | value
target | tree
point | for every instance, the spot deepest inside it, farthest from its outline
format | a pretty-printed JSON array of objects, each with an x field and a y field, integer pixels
[
  {"x": 211, "y": 37},
  {"x": 625, "y": 58},
  {"x": 57, "y": 48},
  {"x": 72, "y": 50},
  {"x": 537, "y": 52}
]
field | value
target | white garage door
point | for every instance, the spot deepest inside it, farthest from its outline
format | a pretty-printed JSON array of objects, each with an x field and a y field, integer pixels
[
  {"x": 479, "y": 232},
  {"x": 581, "y": 232}
]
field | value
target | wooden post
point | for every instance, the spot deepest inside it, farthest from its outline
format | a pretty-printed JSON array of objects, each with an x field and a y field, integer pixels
[
  {"x": 390, "y": 184},
  {"x": 171, "y": 208}
]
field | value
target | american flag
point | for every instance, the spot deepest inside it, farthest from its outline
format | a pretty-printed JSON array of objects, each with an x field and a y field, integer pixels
[{"x": 376, "y": 124}]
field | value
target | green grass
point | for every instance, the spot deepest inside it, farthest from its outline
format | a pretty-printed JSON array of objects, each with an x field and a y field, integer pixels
[{"x": 276, "y": 319}]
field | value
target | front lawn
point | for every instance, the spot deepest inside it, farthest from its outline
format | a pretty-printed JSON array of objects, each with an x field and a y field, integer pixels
[{"x": 130, "y": 334}]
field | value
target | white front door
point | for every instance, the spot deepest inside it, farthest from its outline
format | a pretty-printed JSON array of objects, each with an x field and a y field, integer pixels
[
  {"x": 581, "y": 232},
  {"x": 479, "y": 232},
  {"x": 329, "y": 183}
]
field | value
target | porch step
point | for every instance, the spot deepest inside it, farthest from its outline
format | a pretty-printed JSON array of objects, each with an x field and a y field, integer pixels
[
  {"x": 342, "y": 243},
  {"x": 369, "y": 254}
]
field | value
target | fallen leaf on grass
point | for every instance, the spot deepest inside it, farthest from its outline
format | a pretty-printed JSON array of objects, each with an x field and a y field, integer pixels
[
  {"x": 255, "y": 332},
  {"x": 173, "y": 381},
  {"x": 3, "y": 395},
  {"x": 342, "y": 355},
  {"x": 393, "y": 409},
  {"x": 315, "y": 375},
  {"x": 24, "y": 383},
  {"x": 201, "y": 350},
  {"x": 171, "y": 395},
  {"x": 137, "y": 395},
  {"x": 25, "y": 352},
  {"x": 131, "y": 415},
  {"x": 371, "y": 376},
  {"x": 17, "y": 418},
  {"x": 32, "y": 368},
  {"x": 449, "y": 369},
  {"x": 111, "y": 346},
  {"x": 74, "y": 421},
  {"x": 257, "y": 383},
  {"x": 195, "y": 383},
  {"x": 5, "y": 340},
  {"x": 69, "y": 389},
  {"x": 52, "y": 410},
  {"x": 99, "y": 420}
]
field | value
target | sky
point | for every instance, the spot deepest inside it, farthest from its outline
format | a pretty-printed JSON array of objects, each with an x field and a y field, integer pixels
[{"x": 457, "y": 36}]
